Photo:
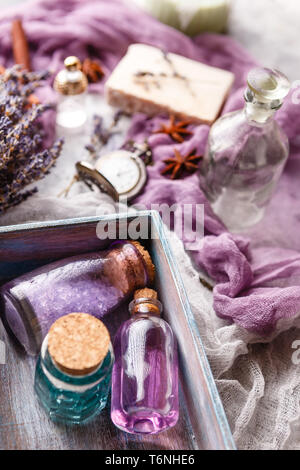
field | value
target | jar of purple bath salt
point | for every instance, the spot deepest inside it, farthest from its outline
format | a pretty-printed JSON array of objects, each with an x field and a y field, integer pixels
[{"x": 94, "y": 283}]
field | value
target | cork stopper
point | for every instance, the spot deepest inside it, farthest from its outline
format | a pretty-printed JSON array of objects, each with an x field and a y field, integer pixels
[
  {"x": 147, "y": 260},
  {"x": 145, "y": 301},
  {"x": 78, "y": 343},
  {"x": 145, "y": 294}
]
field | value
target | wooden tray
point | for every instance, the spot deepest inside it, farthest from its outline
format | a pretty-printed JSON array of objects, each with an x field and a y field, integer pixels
[{"x": 24, "y": 425}]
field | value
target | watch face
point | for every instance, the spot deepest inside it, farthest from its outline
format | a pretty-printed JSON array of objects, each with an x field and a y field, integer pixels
[{"x": 123, "y": 170}]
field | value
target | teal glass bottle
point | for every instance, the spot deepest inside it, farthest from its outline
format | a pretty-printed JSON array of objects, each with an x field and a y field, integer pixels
[{"x": 70, "y": 398}]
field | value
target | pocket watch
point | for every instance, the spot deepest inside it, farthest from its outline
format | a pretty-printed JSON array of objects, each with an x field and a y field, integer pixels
[{"x": 121, "y": 174}]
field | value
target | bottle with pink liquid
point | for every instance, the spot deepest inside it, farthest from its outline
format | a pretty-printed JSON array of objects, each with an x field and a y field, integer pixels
[{"x": 145, "y": 374}]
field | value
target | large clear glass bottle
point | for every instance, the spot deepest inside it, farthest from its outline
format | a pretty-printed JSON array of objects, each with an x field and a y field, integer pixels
[
  {"x": 246, "y": 153},
  {"x": 73, "y": 371},
  {"x": 145, "y": 375}
]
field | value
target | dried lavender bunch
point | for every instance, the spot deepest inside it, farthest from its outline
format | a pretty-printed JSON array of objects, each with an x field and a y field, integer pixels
[{"x": 22, "y": 157}]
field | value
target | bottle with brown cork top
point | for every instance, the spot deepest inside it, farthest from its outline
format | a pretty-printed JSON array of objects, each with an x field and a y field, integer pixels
[
  {"x": 145, "y": 374},
  {"x": 94, "y": 283},
  {"x": 73, "y": 372}
]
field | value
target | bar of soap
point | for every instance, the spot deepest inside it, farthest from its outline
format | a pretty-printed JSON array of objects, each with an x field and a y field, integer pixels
[{"x": 150, "y": 81}]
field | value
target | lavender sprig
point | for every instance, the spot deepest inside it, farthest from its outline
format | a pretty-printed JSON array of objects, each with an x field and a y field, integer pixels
[
  {"x": 99, "y": 137},
  {"x": 101, "y": 134},
  {"x": 22, "y": 157}
]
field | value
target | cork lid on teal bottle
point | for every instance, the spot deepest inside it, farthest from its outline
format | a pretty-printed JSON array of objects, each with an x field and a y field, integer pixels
[{"x": 78, "y": 343}]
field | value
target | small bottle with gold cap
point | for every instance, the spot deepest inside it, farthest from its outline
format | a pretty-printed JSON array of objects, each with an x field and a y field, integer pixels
[
  {"x": 71, "y": 85},
  {"x": 145, "y": 374},
  {"x": 73, "y": 372}
]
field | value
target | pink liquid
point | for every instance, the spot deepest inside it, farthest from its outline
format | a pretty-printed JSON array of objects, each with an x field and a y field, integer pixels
[
  {"x": 145, "y": 376},
  {"x": 94, "y": 283}
]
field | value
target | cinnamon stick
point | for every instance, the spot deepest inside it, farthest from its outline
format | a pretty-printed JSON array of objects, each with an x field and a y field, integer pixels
[{"x": 20, "y": 45}]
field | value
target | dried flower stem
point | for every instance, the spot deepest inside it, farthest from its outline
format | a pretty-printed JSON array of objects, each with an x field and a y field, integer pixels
[{"x": 66, "y": 191}]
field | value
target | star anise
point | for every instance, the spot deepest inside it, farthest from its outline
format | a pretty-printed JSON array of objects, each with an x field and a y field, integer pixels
[
  {"x": 179, "y": 162},
  {"x": 175, "y": 129},
  {"x": 92, "y": 70}
]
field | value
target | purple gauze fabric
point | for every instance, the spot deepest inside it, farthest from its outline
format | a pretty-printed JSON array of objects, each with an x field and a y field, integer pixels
[{"x": 253, "y": 290}]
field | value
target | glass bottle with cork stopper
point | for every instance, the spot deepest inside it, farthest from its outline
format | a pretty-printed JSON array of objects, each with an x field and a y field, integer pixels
[
  {"x": 246, "y": 153},
  {"x": 73, "y": 372},
  {"x": 71, "y": 85},
  {"x": 95, "y": 283},
  {"x": 145, "y": 374}
]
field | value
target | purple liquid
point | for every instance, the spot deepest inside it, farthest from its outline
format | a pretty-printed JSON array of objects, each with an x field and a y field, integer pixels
[
  {"x": 94, "y": 283},
  {"x": 145, "y": 376}
]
